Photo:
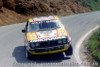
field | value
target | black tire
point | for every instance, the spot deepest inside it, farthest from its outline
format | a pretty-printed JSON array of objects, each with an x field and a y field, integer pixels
[
  {"x": 69, "y": 51},
  {"x": 28, "y": 55}
]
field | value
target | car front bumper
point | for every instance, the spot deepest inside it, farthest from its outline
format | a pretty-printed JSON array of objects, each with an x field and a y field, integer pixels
[{"x": 48, "y": 50}]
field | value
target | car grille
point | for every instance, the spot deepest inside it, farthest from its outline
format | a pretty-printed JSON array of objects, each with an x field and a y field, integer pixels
[{"x": 48, "y": 44}]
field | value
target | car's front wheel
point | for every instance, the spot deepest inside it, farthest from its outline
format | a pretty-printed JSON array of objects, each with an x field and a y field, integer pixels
[
  {"x": 69, "y": 51},
  {"x": 28, "y": 55}
]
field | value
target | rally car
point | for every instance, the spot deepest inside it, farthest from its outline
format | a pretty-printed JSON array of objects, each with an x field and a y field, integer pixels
[{"x": 46, "y": 35}]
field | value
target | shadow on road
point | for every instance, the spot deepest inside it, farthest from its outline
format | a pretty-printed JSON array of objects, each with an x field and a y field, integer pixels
[{"x": 19, "y": 54}]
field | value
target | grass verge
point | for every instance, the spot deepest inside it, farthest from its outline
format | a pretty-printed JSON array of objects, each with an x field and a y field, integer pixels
[{"x": 94, "y": 46}]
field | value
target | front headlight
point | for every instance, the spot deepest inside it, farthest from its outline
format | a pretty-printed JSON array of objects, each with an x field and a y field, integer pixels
[
  {"x": 59, "y": 41},
  {"x": 32, "y": 45},
  {"x": 64, "y": 41}
]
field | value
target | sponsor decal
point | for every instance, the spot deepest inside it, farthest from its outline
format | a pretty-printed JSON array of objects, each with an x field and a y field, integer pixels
[
  {"x": 62, "y": 33},
  {"x": 32, "y": 36},
  {"x": 47, "y": 39},
  {"x": 46, "y": 34},
  {"x": 43, "y": 18}
]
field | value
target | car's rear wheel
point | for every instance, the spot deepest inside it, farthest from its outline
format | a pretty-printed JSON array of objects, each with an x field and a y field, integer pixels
[
  {"x": 69, "y": 51},
  {"x": 28, "y": 55}
]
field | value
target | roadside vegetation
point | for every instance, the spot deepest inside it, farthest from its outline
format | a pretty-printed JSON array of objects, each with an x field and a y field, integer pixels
[
  {"x": 94, "y": 46},
  {"x": 92, "y": 4}
]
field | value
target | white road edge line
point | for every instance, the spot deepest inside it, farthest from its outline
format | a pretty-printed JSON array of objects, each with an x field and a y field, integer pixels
[{"x": 78, "y": 44}]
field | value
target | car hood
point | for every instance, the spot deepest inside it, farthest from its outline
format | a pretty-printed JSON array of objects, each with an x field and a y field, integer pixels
[{"x": 46, "y": 34}]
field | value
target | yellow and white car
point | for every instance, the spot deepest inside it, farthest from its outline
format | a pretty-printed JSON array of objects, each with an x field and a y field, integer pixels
[{"x": 46, "y": 35}]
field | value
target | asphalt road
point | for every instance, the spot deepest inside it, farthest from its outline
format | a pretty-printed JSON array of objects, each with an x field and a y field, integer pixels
[{"x": 12, "y": 51}]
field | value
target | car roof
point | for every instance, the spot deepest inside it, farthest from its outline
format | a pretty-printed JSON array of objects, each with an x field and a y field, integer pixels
[{"x": 42, "y": 18}]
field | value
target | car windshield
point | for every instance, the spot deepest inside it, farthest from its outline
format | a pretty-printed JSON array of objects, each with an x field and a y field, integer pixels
[{"x": 43, "y": 25}]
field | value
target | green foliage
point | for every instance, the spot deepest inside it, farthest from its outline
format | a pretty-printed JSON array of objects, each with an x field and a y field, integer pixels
[
  {"x": 96, "y": 54},
  {"x": 94, "y": 44},
  {"x": 92, "y": 4}
]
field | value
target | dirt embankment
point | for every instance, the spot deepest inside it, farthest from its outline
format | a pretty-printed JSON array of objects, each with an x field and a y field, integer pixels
[{"x": 13, "y": 11}]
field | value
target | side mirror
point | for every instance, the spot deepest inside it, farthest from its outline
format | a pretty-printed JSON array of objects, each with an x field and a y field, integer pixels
[{"x": 23, "y": 31}]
